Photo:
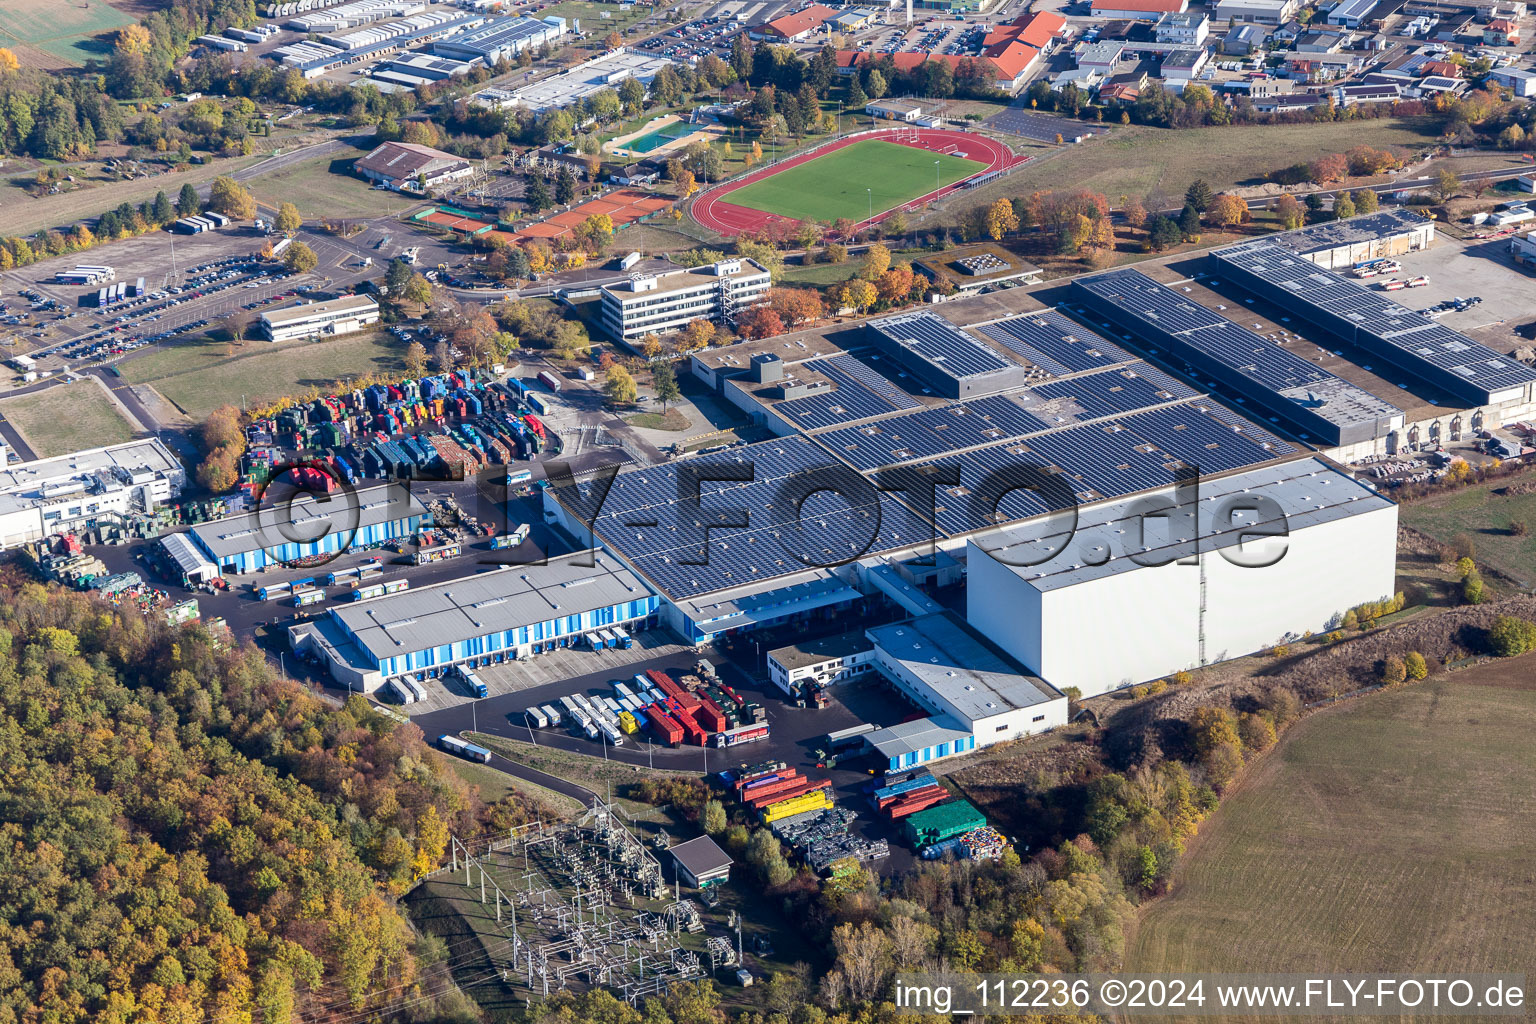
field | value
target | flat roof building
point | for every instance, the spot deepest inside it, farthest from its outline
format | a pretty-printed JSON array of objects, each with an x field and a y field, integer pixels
[
  {"x": 976, "y": 693},
  {"x": 498, "y": 616},
  {"x": 499, "y": 39},
  {"x": 1343, "y": 244},
  {"x": 285, "y": 531},
  {"x": 1263, "y": 12},
  {"x": 659, "y": 303},
  {"x": 974, "y": 268},
  {"x": 945, "y": 358},
  {"x": 341, "y": 315},
  {"x": 577, "y": 83},
  {"x": 53, "y": 495}
]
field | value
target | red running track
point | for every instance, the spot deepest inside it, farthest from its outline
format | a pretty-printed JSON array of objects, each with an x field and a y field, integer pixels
[{"x": 713, "y": 211}]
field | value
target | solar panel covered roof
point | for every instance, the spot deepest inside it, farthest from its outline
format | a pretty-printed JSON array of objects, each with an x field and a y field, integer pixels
[
  {"x": 1415, "y": 342},
  {"x": 1319, "y": 403}
]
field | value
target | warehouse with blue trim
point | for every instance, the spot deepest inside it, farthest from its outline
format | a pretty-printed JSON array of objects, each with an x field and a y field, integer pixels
[
  {"x": 505, "y": 615},
  {"x": 308, "y": 525}
]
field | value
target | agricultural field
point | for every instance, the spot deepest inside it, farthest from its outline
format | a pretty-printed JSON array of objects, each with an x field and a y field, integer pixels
[
  {"x": 851, "y": 181},
  {"x": 325, "y": 187},
  {"x": 1389, "y": 834},
  {"x": 203, "y": 374},
  {"x": 1488, "y": 517},
  {"x": 67, "y": 418},
  {"x": 1135, "y": 161},
  {"x": 69, "y": 33}
]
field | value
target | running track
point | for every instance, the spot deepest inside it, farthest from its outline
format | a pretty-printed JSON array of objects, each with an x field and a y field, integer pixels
[{"x": 713, "y": 211}]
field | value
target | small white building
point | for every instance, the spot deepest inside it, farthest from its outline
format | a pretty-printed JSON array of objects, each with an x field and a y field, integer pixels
[
  {"x": 341, "y": 315},
  {"x": 894, "y": 110},
  {"x": 1188, "y": 28},
  {"x": 1518, "y": 80},
  {"x": 826, "y": 662}
]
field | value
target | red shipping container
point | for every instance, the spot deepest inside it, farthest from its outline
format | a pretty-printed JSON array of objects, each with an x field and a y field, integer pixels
[
  {"x": 667, "y": 727},
  {"x": 768, "y": 780},
  {"x": 897, "y": 798},
  {"x": 794, "y": 788},
  {"x": 710, "y": 716},
  {"x": 902, "y": 808}
]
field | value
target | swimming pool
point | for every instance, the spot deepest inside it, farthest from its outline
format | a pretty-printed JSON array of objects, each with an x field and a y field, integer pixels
[{"x": 658, "y": 138}]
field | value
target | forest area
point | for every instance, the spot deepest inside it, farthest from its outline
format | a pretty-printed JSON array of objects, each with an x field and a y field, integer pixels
[{"x": 187, "y": 836}]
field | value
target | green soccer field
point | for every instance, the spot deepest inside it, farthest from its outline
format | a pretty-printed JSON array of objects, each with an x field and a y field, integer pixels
[{"x": 849, "y": 182}]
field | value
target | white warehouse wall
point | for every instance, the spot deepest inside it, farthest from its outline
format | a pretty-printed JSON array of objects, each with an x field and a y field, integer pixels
[{"x": 1143, "y": 624}]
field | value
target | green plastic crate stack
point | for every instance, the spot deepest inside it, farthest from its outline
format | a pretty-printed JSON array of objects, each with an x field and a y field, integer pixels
[{"x": 945, "y": 821}]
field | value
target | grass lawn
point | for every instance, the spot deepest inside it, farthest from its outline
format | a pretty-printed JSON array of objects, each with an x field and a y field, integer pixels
[
  {"x": 851, "y": 181},
  {"x": 1136, "y": 160},
  {"x": 670, "y": 420},
  {"x": 325, "y": 187},
  {"x": 1389, "y": 835},
  {"x": 495, "y": 784},
  {"x": 201, "y": 375},
  {"x": 67, "y": 418},
  {"x": 68, "y": 31},
  {"x": 824, "y": 273},
  {"x": 1485, "y": 516}
]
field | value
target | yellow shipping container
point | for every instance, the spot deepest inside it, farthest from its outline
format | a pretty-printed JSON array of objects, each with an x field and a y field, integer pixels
[
  {"x": 627, "y": 723},
  {"x": 798, "y": 805}
]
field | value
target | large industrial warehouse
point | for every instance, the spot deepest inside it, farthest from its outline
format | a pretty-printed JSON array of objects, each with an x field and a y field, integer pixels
[
  {"x": 497, "y": 616},
  {"x": 282, "y": 531},
  {"x": 977, "y": 437}
]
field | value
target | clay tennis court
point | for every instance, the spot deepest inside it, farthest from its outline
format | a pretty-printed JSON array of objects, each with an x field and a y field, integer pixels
[
  {"x": 714, "y": 210},
  {"x": 622, "y": 207}
]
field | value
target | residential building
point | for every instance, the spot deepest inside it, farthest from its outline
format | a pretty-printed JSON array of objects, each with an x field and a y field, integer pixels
[
  {"x": 658, "y": 303},
  {"x": 1353, "y": 95},
  {"x": 1262, "y": 12},
  {"x": 55, "y": 495},
  {"x": 1244, "y": 39},
  {"x": 407, "y": 166},
  {"x": 341, "y": 315},
  {"x": 1501, "y": 32},
  {"x": 1187, "y": 29}
]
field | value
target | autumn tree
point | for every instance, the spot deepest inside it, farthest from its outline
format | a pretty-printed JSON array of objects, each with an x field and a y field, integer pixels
[
  {"x": 1001, "y": 219},
  {"x": 1343, "y": 206},
  {"x": 415, "y": 359},
  {"x": 619, "y": 386},
  {"x": 760, "y": 322},
  {"x": 1447, "y": 184},
  {"x": 1366, "y": 201},
  {"x": 229, "y": 197},
  {"x": 1135, "y": 214},
  {"x": 1227, "y": 210},
  {"x": 877, "y": 259},
  {"x": 796, "y": 306},
  {"x": 299, "y": 258},
  {"x": 1329, "y": 168},
  {"x": 1288, "y": 212},
  {"x": 698, "y": 333},
  {"x": 288, "y": 220}
]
